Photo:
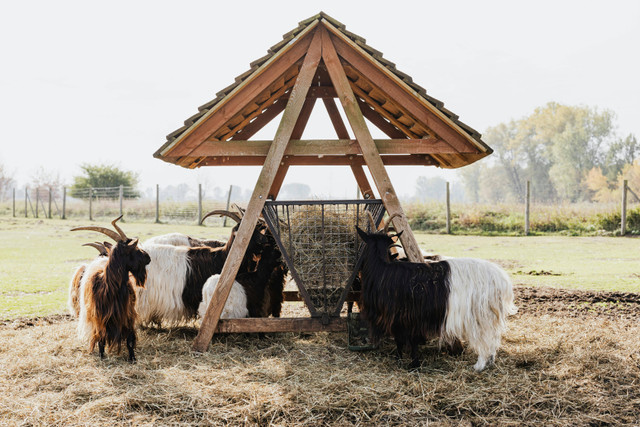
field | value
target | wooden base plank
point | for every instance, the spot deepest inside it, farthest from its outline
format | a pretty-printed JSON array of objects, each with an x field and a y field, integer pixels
[{"x": 281, "y": 324}]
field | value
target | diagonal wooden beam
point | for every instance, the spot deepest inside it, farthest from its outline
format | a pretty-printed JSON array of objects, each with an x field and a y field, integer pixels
[
  {"x": 260, "y": 193},
  {"x": 298, "y": 130},
  {"x": 341, "y": 131},
  {"x": 368, "y": 147},
  {"x": 261, "y": 121}
]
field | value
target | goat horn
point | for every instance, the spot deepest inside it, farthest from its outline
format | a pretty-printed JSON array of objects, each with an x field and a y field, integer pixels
[
  {"x": 115, "y": 236},
  {"x": 388, "y": 223},
  {"x": 98, "y": 246},
  {"x": 118, "y": 229},
  {"x": 372, "y": 222},
  {"x": 242, "y": 211},
  {"x": 234, "y": 216}
]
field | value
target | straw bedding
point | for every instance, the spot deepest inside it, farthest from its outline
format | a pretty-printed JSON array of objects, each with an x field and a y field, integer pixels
[{"x": 553, "y": 369}]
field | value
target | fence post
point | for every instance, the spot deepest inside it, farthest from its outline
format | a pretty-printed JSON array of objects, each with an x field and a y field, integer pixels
[
  {"x": 121, "y": 196},
  {"x": 14, "y": 202},
  {"x": 50, "y": 198},
  {"x": 64, "y": 202},
  {"x": 623, "y": 214},
  {"x": 224, "y": 221},
  {"x": 448, "y": 198},
  {"x": 157, "y": 203},
  {"x": 37, "y": 200},
  {"x": 90, "y": 203},
  {"x": 526, "y": 209},
  {"x": 26, "y": 200},
  {"x": 199, "y": 203}
]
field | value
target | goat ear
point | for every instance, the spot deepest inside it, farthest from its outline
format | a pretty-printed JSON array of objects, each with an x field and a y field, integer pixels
[
  {"x": 361, "y": 233},
  {"x": 133, "y": 243},
  {"x": 399, "y": 234}
]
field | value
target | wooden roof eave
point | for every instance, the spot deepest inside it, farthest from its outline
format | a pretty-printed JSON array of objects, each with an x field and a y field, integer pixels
[
  {"x": 164, "y": 152},
  {"x": 481, "y": 146}
]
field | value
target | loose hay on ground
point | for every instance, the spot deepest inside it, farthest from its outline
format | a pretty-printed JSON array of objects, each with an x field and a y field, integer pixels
[{"x": 552, "y": 369}]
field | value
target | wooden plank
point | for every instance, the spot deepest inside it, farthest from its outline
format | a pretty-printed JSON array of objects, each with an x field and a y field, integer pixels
[
  {"x": 260, "y": 193},
  {"x": 322, "y": 92},
  {"x": 261, "y": 121},
  {"x": 242, "y": 95},
  {"x": 323, "y": 147},
  {"x": 395, "y": 160},
  {"x": 281, "y": 324},
  {"x": 394, "y": 88},
  {"x": 378, "y": 120},
  {"x": 368, "y": 146}
]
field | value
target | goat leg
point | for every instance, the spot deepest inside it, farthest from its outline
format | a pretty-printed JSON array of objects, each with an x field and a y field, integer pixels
[
  {"x": 101, "y": 348},
  {"x": 415, "y": 358},
  {"x": 455, "y": 348},
  {"x": 131, "y": 345}
]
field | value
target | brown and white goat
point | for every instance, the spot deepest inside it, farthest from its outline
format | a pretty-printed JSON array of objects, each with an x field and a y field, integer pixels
[{"x": 107, "y": 315}]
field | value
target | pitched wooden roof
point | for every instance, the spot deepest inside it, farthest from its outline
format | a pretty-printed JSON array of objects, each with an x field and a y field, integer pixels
[{"x": 421, "y": 130}]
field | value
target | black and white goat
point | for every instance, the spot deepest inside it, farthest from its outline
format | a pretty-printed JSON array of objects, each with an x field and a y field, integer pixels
[
  {"x": 455, "y": 299},
  {"x": 74, "y": 286},
  {"x": 107, "y": 298},
  {"x": 177, "y": 274}
]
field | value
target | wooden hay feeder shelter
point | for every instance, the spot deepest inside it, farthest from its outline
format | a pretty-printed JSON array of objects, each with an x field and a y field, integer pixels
[{"x": 319, "y": 59}]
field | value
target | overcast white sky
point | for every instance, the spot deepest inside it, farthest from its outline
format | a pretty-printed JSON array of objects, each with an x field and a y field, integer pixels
[{"x": 107, "y": 81}]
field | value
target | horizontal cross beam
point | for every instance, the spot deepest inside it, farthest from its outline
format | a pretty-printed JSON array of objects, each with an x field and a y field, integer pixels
[
  {"x": 324, "y": 147},
  {"x": 319, "y": 160}
]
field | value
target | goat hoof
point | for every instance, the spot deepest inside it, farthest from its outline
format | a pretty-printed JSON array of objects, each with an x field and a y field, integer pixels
[{"x": 414, "y": 365}]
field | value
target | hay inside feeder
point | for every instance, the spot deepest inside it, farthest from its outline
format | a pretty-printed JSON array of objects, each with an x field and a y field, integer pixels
[{"x": 323, "y": 247}]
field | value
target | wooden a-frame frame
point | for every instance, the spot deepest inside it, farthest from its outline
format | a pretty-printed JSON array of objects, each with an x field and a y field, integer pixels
[{"x": 289, "y": 81}]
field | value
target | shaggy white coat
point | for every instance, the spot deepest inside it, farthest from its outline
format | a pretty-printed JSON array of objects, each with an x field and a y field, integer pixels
[
  {"x": 175, "y": 239},
  {"x": 236, "y": 305},
  {"x": 84, "y": 327},
  {"x": 480, "y": 299},
  {"x": 161, "y": 298},
  {"x": 72, "y": 309}
]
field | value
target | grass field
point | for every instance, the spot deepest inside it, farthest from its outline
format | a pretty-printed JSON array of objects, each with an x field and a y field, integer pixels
[{"x": 38, "y": 257}]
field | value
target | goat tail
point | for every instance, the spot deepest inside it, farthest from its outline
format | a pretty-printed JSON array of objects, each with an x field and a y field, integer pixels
[{"x": 480, "y": 299}]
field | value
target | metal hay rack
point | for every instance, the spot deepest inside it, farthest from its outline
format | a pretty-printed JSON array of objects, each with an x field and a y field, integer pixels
[{"x": 321, "y": 247}]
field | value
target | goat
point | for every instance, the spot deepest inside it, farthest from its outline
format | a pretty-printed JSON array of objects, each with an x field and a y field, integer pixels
[
  {"x": 177, "y": 274},
  {"x": 74, "y": 286},
  {"x": 454, "y": 299},
  {"x": 236, "y": 305},
  {"x": 107, "y": 314}
]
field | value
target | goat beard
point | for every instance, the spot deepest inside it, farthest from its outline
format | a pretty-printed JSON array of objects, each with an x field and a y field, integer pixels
[{"x": 139, "y": 276}]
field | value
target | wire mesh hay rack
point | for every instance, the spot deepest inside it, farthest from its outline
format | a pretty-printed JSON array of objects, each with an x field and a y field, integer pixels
[{"x": 319, "y": 242}]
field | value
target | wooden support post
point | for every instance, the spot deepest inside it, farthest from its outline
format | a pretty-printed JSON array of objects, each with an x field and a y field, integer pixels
[
  {"x": 90, "y": 203},
  {"x": 224, "y": 221},
  {"x": 50, "y": 199},
  {"x": 448, "y": 200},
  {"x": 199, "y": 204},
  {"x": 121, "y": 197},
  {"x": 527, "y": 201},
  {"x": 157, "y": 203},
  {"x": 623, "y": 213},
  {"x": 369, "y": 150},
  {"x": 64, "y": 202},
  {"x": 260, "y": 193}
]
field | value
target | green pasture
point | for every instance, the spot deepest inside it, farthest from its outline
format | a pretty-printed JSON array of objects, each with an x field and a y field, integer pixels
[{"x": 39, "y": 256}]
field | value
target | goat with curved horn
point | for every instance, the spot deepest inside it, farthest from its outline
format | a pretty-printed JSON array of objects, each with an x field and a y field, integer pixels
[
  {"x": 115, "y": 236},
  {"x": 118, "y": 229},
  {"x": 388, "y": 223},
  {"x": 100, "y": 248},
  {"x": 234, "y": 216}
]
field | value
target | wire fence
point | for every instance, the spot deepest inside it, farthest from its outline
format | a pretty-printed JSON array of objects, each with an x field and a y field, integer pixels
[{"x": 187, "y": 204}]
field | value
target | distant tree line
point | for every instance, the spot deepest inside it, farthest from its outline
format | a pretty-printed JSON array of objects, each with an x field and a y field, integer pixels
[{"x": 569, "y": 153}]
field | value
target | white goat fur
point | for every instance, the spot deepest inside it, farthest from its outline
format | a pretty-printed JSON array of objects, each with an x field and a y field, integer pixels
[
  {"x": 480, "y": 299},
  {"x": 236, "y": 305},
  {"x": 84, "y": 327},
  {"x": 161, "y": 298},
  {"x": 175, "y": 239}
]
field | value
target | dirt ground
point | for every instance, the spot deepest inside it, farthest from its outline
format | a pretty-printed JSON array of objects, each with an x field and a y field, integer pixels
[{"x": 568, "y": 358}]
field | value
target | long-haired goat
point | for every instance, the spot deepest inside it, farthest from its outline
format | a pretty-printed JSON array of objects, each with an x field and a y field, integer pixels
[
  {"x": 180, "y": 239},
  {"x": 74, "y": 286},
  {"x": 107, "y": 296},
  {"x": 454, "y": 299},
  {"x": 177, "y": 274}
]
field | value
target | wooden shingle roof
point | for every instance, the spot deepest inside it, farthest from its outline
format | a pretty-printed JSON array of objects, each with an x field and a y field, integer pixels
[{"x": 389, "y": 98}]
